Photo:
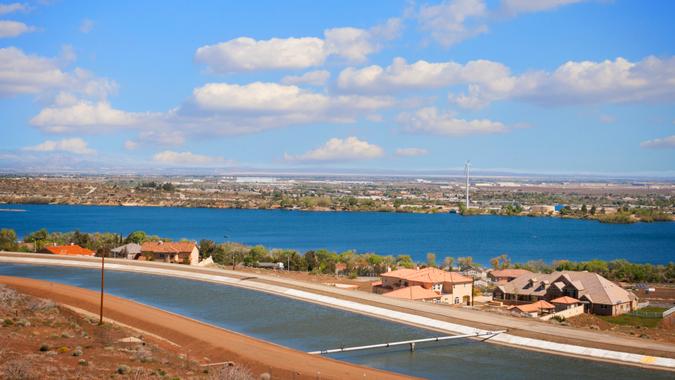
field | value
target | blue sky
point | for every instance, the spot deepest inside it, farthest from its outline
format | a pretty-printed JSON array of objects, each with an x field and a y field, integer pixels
[{"x": 545, "y": 86}]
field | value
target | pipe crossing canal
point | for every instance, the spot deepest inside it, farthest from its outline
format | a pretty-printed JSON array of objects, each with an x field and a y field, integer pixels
[{"x": 411, "y": 343}]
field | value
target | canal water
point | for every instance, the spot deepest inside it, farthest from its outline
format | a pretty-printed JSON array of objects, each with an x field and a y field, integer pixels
[
  {"x": 481, "y": 237},
  {"x": 308, "y": 327}
]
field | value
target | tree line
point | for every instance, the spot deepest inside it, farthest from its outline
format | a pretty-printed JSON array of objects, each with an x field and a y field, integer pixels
[{"x": 323, "y": 261}]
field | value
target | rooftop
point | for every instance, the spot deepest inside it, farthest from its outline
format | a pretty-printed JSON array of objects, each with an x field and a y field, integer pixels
[
  {"x": 428, "y": 275},
  {"x": 168, "y": 247},
  {"x": 73, "y": 249}
]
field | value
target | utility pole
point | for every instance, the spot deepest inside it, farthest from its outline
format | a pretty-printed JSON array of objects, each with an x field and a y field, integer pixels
[
  {"x": 466, "y": 173},
  {"x": 100, "y": 321}
]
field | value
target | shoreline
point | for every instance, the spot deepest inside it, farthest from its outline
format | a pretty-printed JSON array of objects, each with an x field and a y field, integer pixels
[
  {"x": 197, "y": 338},
  {"x": 522, "y": 334},
  {"x": 319, "y": 210}
]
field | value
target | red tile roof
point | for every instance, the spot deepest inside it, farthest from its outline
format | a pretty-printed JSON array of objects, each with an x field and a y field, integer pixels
[
  {"x": 497, "y": 273},
  {"x": 534, "y": 307},
  {"x": 167, "y": 247},
  {"x": 428, "y": 276},
  {"x": 73, "y": 250},
  {"x": 566, "y": 300},
  {"x": 413, "y": 293}
]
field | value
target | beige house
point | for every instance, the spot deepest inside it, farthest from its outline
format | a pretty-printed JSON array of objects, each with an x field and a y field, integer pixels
[
  {"x": 596, "y": 293},
  {"x": 178, "y": 252},
  {"x": 506, "y": 275},
  {"x": 452, "y": 287}
]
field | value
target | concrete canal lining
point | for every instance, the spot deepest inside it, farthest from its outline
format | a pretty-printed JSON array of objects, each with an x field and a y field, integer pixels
[{"x": 647, "y": 361}]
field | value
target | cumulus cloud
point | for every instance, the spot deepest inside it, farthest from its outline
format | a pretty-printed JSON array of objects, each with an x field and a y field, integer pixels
[
  {"x": 21, "y": 73},
  {"x": 248, "y": 54},
  {"x": 660, "y": 143},
  {"x": 430, "y": 121},
  {"x": 189, "y": 159},
  {"x": 73, "y": 145},
  {"x": 245, "y": 54},
  {"x": 411, "y": 152},
  {"x": 453, "y": 21},
  {"x": 314, "y": 78},
  {"x": 13, "y": 28},
  {"x": 213, "y": 109},
  {"x": 337, "y": 149},
  {"x": 12, "y": 7},
  {"x": 86, "y": 26},
  {"x": 617, "y": 81},
  {"x": 514, "y": 7},
  {"x": 82, "y": 115}
]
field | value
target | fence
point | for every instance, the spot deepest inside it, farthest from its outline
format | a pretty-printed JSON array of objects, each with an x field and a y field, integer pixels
[
  {"x": 571, "y": 312},
  {"x": 649, "y": 314}
]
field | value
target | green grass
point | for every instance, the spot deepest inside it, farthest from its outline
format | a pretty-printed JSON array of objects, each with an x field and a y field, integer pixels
[
  {"x": 655, "y": 309},
  {"x": 631, "y": 320}
]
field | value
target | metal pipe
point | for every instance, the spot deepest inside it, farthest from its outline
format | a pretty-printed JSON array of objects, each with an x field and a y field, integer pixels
[{"x": 408, "y": 342}]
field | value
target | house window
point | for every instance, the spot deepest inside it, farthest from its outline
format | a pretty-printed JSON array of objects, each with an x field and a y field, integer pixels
[{"x": 456, "y": 299}]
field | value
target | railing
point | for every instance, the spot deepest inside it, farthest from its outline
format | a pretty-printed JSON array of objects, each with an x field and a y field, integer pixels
[{"x": 411, "y": 343}]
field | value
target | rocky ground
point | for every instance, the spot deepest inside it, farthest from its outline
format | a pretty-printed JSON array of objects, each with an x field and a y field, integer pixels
[{"x": 42, "y": 340}]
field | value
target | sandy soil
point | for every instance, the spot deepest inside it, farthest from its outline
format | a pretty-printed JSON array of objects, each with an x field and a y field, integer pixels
[{"x": 199, "y": 341}]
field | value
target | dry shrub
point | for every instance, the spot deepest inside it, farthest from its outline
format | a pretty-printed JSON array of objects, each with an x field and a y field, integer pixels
[
  {"x": 235, "y": 372},
  {"x": 18, "y": 370}
]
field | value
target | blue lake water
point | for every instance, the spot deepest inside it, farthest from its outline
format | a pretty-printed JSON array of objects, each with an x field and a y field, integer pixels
[
  {"x": 481, "y": 237},
  {"x": 308, "y": 327}
]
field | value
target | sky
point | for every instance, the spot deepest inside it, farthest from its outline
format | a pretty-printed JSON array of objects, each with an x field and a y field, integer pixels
[{"x": 532, "y": 86}]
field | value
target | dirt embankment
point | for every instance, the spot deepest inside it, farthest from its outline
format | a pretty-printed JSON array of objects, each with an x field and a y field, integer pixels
[{"x": 193, "y": 342}]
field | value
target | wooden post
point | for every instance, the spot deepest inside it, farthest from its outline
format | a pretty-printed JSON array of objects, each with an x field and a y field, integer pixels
[{"x": 100, "y": 321}]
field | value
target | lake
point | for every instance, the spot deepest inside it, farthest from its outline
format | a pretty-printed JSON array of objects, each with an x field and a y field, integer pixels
[
  {"x": 308, "y": 327},
  {"x": 482, "y": 237}
]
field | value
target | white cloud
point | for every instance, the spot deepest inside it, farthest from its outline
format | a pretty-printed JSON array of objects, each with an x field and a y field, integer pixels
[
  {"x": 189, "y": 159},
  {"x": 86, "y": 26},
  {"x": 453, "y": 21},
  {"x": 21, "y": 73},
  {"x": 12, "y": 7},
  {"x": 244, "y": 54},
  {"x": 248, "y": 54},
  {"x": 411, "y": 152},
  {"x": 430, "y": 121},
  {"x": 83, "y": 115},
  {"x": 213, "y": 109},
  {"x": 652, "y": 79},
  {"x": 314, "y": 78},
  {"x": 661, "y": 143},
  {"x": 401, "y": 75},
  {"x": 337, "y": 149},
  {"x": 73, "y": 145},
  {"x": 514, "y": 7},
  {"x": 257, "y": 97},
  {"x": 13, "y": 28}
]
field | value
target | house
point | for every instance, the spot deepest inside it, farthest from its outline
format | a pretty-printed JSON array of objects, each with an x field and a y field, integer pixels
[
  {"x": 68, "y": 250},
  {"x": 534, "y": 309},
  {"x": 474, "y": 271},
  {"x": 453, "y": 287},
  {"x": 506, "y": 275},
  {"x": 179, "y": 252},
  {"x": 129, "y": 251},
  {"x": 542, "y": 209},
  {"x": 415, "y": 293},
  {"x": 565, "y": 303},
  {"x": 596, "y": 293}
]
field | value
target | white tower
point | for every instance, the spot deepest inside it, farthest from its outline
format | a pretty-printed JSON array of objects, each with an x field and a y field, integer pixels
[{"x": 466, "y": 174}]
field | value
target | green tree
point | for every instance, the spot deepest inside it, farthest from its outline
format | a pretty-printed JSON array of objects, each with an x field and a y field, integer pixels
[
  {"x": 137, "y": 237},
  {"x": 584, "y": 209},
  {"x": 593, "y": 210},
  {"x": 465, "y": 262},
  {"x": 8, "y": 240}
]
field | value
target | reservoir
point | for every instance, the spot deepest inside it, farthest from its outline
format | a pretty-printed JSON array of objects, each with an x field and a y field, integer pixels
[
  {"x": 482, "y": 237},
  {"x": 307, "y": 327}
]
